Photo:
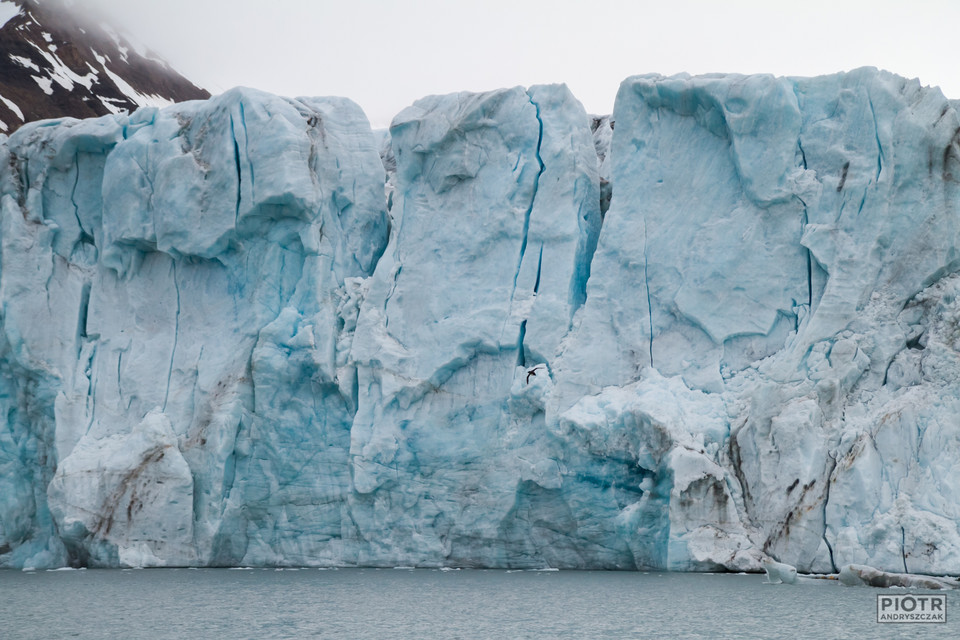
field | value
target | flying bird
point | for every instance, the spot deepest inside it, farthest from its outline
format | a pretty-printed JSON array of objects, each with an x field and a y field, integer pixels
[{"x": 532, "y": 372}]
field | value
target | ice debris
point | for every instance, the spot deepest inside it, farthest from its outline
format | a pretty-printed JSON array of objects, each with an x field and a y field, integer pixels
[
  {"x": 779, "y": 573},
  {"x": 857, "y": 575}
]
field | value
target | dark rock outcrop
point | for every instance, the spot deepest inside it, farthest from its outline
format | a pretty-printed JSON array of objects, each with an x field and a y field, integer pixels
[{"x": 57, "y": 61}]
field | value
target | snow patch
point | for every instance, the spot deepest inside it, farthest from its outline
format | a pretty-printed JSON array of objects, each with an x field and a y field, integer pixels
[
  {"x": 8, "y": 11},
  {"x": 64, "y": 75},
  {"x": 124, "y": 42},
  {"x": 108, "y": 103},
  {"x": 117, "y": 41},
  {"x": 140, "y": 99},
  {"x": 45, "y": 83},
  {"x": 26, "y": 63},
  {"x": 13, "y": 107}
]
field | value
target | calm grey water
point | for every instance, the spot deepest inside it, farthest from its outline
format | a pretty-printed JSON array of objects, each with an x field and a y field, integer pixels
[{"x": 371, "y": 603}]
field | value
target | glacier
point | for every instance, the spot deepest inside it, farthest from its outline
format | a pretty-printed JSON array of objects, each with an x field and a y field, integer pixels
[{"x": 714, "y": 330}]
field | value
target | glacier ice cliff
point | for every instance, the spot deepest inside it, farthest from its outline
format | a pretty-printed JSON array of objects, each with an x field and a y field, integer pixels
[{"x": 721, "y": 325}]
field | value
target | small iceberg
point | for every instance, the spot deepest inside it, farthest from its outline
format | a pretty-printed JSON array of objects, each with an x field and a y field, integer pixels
[
  {"x": 854, "y": 575},
  {"x": 779, "y": 573}
]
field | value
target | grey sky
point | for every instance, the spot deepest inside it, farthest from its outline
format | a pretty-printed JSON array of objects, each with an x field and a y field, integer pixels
[{"x": 384, "y": 55}]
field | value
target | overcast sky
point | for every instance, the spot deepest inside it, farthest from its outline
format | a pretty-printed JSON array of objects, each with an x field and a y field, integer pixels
[{"x": 384, "y": 55}]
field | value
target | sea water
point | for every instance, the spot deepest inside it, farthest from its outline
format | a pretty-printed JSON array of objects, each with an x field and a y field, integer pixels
[{"x": 426, "y": 603}]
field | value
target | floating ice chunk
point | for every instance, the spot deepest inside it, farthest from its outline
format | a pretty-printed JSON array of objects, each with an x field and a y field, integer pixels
[
  {"x": 854, "y": 575},
  {"x": 779, "y": 573}
]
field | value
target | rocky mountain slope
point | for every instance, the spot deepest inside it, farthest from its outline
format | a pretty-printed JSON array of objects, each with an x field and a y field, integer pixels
[{"x": 55, "y": 61}]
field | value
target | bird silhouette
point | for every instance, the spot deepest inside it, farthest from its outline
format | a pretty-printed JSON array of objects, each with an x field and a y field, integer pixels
[{"x": 532, "y": 372}]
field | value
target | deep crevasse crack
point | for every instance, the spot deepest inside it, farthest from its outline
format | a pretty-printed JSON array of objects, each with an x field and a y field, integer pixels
[
  {"x": 176, "y": 335},
  {"x": 876, "y": 134},
  {"x": 236, "y": 160},
  {"x": 533, "y": 197},
  {"x": 646, "y": 283},
  {"x": 521, "y": 358}
]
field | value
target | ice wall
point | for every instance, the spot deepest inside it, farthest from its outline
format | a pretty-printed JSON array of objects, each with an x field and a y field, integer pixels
[
  {"x": 250, "y": 331},
  {"x": 173, "y": 303}
]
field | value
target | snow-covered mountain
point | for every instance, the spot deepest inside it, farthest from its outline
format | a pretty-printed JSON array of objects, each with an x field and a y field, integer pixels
[
  {"x": 251, "y": 331},
  {"x": 56, "y": 62}
]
